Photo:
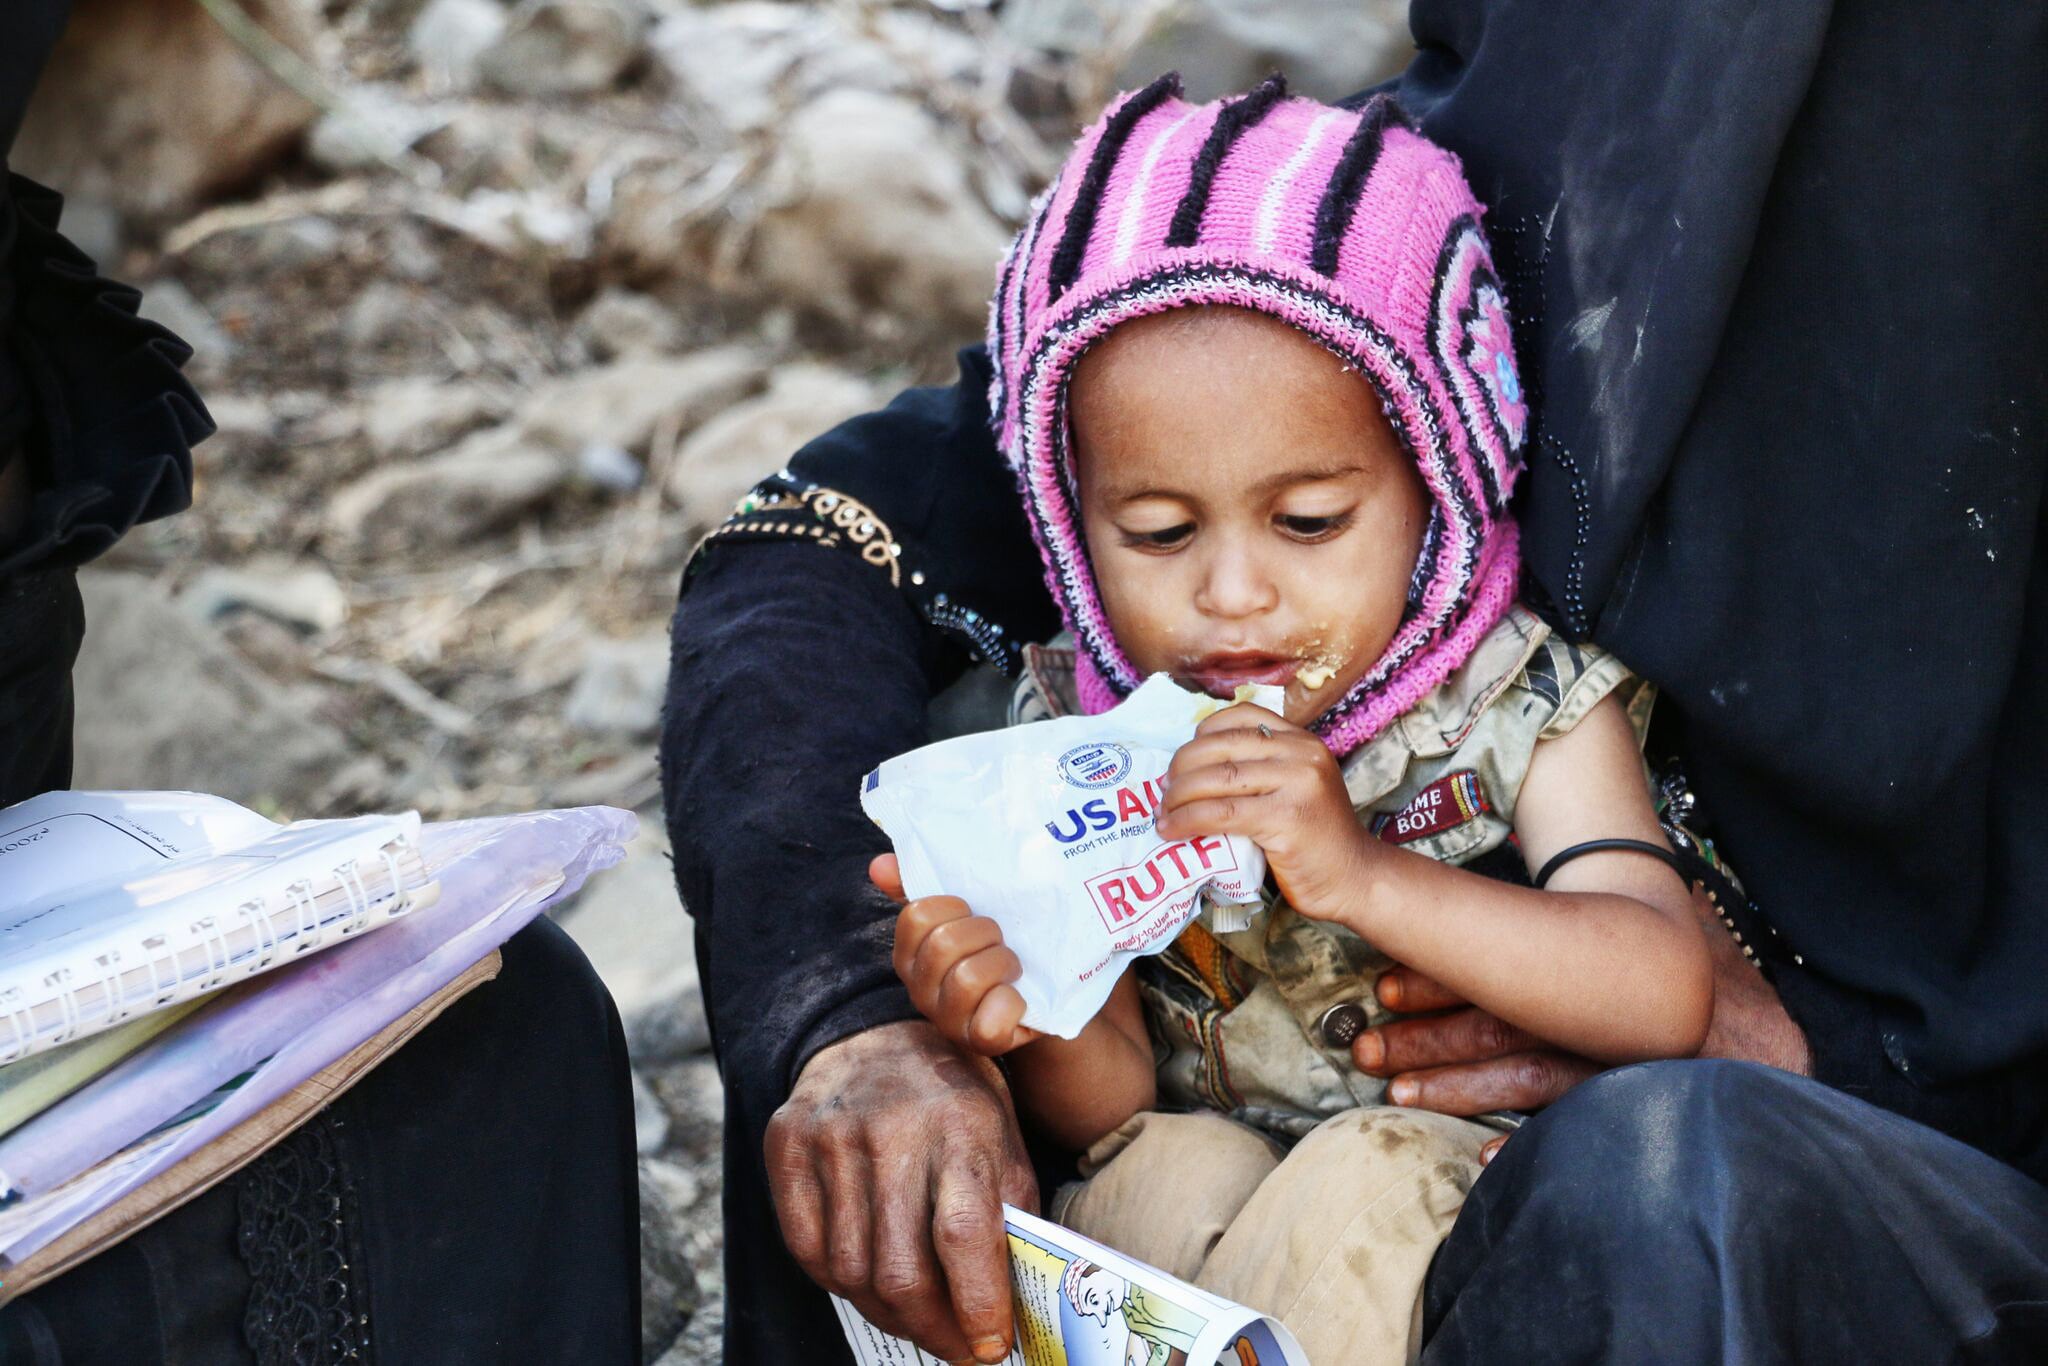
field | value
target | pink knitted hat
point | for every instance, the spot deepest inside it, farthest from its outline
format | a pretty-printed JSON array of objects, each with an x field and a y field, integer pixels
[{"x": 1350, "y": 226}]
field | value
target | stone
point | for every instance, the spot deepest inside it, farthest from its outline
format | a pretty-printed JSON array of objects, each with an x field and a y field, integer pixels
[
  {"x": 620, "y": 688},
  {"x": 678, "y": 1186},
  {"x": 245, "y": 433},
  {"x": 565, "y": 47},
  {"x": 163, "y": 703},
  {"x": 636, "y": 934},
  {"x": 173, "y": 305},
  {"x": 750, "y": 63},
  {"x": 277, "y": 246},
  {"x": 650, "y": 1121},
  {"x": 294, "y": 593},
  {"x": 372, "y": 127},
  {"x": 668, "y": 1286},
  {"x": 624, "y": 403},
  {"x": 1223, "y": 46},
  {"x": 613, "y": 468},
  {"x": 386, "y": 317},
  {"x": 155, "y": 108},
  {"x": 728, "y": 454},
  {"x": 869, "y": 207},
  {"x": 412, "y": 417},
  {"x": 702, "y": 1342},
  {"x": 95, "y": 228},
  {"x": 694, "y": 1096},
  {"x": 622, "y": 322},
  {"x": 449, "y": 38},
  {"x": 474, "y": 487},
  {"x": 522, "y": 224}
]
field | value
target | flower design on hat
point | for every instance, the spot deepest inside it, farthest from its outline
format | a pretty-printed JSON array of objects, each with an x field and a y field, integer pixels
[
  {"x": 1490, "y": 351},
  {"x": 1472, "y": 339}
]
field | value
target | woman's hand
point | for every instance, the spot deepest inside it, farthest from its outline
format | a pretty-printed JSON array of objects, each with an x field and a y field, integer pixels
[
  {"x": 1248, "y": 772},
  {"x": 957, "y": 968}
]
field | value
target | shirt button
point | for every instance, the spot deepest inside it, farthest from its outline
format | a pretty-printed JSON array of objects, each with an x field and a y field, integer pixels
[{"x": 1342, "y": 1023}]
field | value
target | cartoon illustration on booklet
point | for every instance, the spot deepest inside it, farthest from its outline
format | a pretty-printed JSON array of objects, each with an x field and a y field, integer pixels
[{"x": 1079, "y": 1303}]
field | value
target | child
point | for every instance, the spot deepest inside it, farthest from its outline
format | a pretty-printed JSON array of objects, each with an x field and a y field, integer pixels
[{"x": 1254, "y": 372}]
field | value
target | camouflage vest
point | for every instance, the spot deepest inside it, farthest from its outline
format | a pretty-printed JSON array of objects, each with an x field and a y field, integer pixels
[{"x": 1257, "y": 1022}]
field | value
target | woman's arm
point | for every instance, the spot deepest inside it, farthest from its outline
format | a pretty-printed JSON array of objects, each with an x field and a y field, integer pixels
[{"x": 1609, "y": 963}]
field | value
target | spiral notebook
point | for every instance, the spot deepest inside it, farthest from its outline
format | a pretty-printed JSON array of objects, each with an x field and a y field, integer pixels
[{"x": 114, "y": 905}]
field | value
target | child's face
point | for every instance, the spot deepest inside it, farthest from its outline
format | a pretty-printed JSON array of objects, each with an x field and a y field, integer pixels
[{"x": 1250, "y": 515}]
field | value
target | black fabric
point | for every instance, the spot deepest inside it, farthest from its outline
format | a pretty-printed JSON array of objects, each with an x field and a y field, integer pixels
[
  {"x": 171, "y": 1294},
  {"x": 1726, "y": 1212},
  {"x": 42, "y": 623},
  {"x": 28, "y": 30},
  {"x": 494, "y": 1171},
  {"x": 107, "y": 421},
  {"x": 1801, "y": 401},
  {"x": 1781, "y": 309},
  {"x": 794, "y": 953},
  {"x": 90, "y": 393}
]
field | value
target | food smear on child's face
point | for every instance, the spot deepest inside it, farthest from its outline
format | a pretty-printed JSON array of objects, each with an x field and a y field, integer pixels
[{"x": 1250, "y": 515}]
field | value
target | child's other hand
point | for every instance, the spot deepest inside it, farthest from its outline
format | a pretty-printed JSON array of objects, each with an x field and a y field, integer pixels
[
  {"x": 1248, "y": 772},
  {"x": 957, "y": 968}
]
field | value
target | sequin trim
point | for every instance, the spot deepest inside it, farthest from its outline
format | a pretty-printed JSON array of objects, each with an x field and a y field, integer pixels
[
  {"x": 779, "y": 507},
  {"x": 783, "y": 507},
  {"x": 297, "y": 1237}
]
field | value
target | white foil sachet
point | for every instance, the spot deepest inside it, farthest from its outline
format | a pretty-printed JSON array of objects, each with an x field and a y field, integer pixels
[{"x": 1047, "y": 829}]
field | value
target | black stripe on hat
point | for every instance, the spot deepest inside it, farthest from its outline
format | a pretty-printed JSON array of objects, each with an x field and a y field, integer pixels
[
  {"x": 1066, "y": 258},
  {"x": 1235, "y": 117},
  {"x": 1347, "y": 181}
]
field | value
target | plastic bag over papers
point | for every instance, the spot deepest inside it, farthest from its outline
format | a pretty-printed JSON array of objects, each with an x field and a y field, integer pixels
[{"x": 1047, "y": 829}]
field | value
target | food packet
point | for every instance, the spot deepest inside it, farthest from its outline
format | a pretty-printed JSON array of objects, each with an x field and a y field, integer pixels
[{"x": 1047, "y": 830}]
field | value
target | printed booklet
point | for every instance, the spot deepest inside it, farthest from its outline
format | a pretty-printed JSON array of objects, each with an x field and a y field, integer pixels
[{"x": 1079, "y": 1303}]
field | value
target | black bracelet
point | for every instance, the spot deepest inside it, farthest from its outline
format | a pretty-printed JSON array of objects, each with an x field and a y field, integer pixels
[{"x": 1657, "y": 851}]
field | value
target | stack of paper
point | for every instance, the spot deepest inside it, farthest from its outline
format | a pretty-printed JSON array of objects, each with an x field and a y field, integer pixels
[
  {"x": 114, "y": 905},
  {"x": 150, "y": 1112}
]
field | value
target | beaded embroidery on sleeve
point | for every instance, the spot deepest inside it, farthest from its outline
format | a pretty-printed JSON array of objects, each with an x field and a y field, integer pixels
[{"x": 785, "y": 508}]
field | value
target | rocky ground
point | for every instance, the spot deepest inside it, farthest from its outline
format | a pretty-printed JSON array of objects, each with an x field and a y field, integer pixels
[{"x": 499, "y": 307}]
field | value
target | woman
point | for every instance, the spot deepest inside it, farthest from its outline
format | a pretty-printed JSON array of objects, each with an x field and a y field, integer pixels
[
  {"x": 1788, "y": 456},
  {"x": 428, "y": 1214}
]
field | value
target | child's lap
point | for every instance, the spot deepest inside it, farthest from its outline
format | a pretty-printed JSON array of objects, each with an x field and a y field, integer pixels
[{"x": 1333, "y": 1237}]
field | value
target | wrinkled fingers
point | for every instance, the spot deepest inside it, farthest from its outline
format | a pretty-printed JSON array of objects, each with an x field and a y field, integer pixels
[
  {"x": 1519, "y": 1081},
  {"x": 973, "y": 1248},
  {"x": 1463, "y": 1036},
  {"x": 906, "y": 1293}
]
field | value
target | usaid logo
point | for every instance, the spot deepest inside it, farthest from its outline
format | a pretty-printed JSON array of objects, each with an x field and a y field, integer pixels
[{"x": 1092, "y": 766}]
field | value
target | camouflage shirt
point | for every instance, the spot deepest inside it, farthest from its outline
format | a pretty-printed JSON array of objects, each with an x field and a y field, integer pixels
[{"x": 1238, "y": 1018}]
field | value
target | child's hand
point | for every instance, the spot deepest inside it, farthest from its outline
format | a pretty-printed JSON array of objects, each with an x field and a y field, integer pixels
[
  {"x": 957, "y": 967},
  {"x": 1248, "y": 772}
]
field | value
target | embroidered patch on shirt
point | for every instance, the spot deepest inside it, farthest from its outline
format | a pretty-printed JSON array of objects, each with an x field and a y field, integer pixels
[{"x": 1445, "y": 804}]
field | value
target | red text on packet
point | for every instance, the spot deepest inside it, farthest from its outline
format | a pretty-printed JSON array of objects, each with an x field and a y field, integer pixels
[{"x": 1129, "y": 894}]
